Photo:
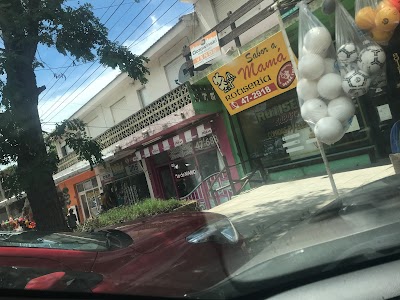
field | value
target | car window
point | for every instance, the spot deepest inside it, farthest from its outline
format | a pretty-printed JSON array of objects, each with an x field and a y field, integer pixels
[{"x": 197, "y": 148}]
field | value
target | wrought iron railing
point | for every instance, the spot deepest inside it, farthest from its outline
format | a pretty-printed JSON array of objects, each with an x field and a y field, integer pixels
[
  {"x": 221, "y": 187},
  {"x": 68, "y": 161},
  {"x": 159, "y": 109},
  {"x": 211, "y": 191}
]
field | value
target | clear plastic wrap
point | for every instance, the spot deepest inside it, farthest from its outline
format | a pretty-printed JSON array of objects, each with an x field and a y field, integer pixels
[
  {"x": 360, "y": 59},
  {"x": 365, "y": 14},
  {"x": 323, "y": 104},
  {"x": 379, "y": 18}
]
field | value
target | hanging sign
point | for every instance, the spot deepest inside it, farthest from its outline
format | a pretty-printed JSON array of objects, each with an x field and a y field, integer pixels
[
  {"x": 205, "y": 49},
  {"x": 259, "y": 74}
]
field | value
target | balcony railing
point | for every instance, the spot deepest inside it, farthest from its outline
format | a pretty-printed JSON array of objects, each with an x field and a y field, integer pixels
[
  {"x": 67, "y": 161},
  {"x": 159, "y": 109}
]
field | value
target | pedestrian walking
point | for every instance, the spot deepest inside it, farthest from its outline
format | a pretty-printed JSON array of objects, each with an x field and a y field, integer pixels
[
  {"x": 103, "y": 200},
  {"x": 72, "y": 219}
]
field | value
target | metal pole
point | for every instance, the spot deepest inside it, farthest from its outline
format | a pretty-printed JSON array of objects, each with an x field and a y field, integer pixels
[
  {"x": 320, "y": 145},
  {"x": 328, "y": 170}
]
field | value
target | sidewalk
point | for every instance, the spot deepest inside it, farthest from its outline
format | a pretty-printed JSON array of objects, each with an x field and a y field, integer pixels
[{"x": 272, "y": 209}]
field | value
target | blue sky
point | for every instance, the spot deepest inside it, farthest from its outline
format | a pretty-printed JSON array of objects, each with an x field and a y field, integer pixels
[{"x": 137, "y": 25}]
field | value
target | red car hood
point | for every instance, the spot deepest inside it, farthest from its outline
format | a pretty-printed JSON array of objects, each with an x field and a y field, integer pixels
[{"x": 151, "y": 233}]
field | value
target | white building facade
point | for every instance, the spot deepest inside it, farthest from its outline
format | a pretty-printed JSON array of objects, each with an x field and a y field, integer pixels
[{"x": 125, "y": 112}]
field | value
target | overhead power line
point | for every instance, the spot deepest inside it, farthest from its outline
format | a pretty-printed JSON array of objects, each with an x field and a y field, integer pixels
[
  {"x": 133, "y": 43},
  {"x": 72, "y": 64},
  {"x": 46, "y": 112},
  {"x": 92, "y": 63},
  {"x": 62, "y": 102}
]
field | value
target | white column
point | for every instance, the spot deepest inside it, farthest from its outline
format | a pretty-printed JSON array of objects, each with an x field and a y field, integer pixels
[{"x": 206, "y": 14}]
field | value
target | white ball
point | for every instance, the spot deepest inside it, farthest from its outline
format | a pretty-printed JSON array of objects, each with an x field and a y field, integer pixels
[
  {"x": 313, "y": 110},
  {"x": 311, "y": 66},
  {"x": 330, "y": 86},
  {"x": 372, "y": 59},
  {"x": 304, "y": 51},
  {"x": 341, "y": 108},
  {"x": 317, "y": 40},
  {"x": 307, "y": 89},
  {"x": 331, "y": 66},
  {"x": 329, "y": 130},
  {"x": 347, "y": 53},
  {"x": 356, "y": 83}
]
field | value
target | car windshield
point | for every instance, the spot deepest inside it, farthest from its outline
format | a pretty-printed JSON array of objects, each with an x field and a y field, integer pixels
[{"x": 200, "y": 148}]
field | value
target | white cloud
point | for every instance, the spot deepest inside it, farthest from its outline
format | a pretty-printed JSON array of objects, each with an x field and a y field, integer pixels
[
  {"x": 146, "y": 41},
  {"x": 153, "y": 19},
  {"x": 69, "y": 106}
]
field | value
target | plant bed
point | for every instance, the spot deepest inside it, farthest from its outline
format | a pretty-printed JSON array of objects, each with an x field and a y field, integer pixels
[{"x": 145, "y": 208}]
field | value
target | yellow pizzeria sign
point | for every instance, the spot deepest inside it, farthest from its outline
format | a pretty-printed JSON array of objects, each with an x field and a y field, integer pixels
[{"x": 257, "y": 75}]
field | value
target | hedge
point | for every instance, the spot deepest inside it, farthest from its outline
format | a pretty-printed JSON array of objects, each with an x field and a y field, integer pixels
[{"x": 145, "y": 208}]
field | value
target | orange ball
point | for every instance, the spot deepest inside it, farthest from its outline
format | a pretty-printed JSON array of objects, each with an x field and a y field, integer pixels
[
  {"x": 365, "y": 18},
  {"x": 380, "y": 36},
  {"x": 387, "y": 18},
  {"x": 382, "y": 4}
]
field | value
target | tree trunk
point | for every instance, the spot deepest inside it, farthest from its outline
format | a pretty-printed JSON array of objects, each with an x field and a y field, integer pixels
[{"x": 34, "y": 168}]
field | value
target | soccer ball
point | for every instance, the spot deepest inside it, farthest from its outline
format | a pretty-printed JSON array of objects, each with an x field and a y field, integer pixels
[
  {"x": 313, "y": 110},
  {"x": 329, "y": 130},
  {"x": 330, "y": 86},
  {"x": 347, "y": 53},
  {"x": 372, "y": 59},
  {"x": 356, "y": 83},
  {"x": 345, "y": 68}
]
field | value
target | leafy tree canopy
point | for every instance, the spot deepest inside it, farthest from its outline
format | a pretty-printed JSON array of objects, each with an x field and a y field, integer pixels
[{"x": 72, "y": 31}]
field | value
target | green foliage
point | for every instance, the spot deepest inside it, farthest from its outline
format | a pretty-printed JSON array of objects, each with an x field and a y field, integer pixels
[
  {"x": 74, "y": 133},
  {"x": 72, "y": 29},
  {"x": 11, "y": 182},
  {"x": 146, "y": 208}
]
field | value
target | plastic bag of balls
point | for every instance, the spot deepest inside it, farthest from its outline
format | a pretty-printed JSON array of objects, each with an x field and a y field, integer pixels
[
  {"x": 379, "y": 18},
  {"x": 360, "y": 59},
  {"x": 323, "y": 103}
]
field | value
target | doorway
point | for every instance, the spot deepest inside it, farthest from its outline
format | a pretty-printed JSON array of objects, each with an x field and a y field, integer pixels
[
  {"x": 179, "y": 177},
  {"x": 89, "y": 196},
  {"x": 167, "y": 182}
]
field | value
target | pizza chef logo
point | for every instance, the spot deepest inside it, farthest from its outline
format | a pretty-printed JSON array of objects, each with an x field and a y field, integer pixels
[
  {"x": 225, "y": 84},
  {"x": 286, "y": 75}
]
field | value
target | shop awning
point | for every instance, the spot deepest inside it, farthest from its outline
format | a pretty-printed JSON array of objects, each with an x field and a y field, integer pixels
[{"x": 186, "y": 131}]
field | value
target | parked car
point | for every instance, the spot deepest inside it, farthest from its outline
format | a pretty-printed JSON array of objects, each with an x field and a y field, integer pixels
[{"x": 167, "y": 255}]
